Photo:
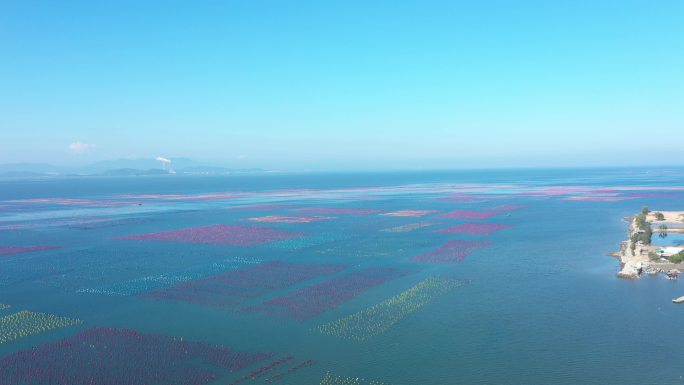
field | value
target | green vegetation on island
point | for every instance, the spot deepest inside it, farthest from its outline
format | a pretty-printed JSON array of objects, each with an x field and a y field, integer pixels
[
  {"x": 644, "y": 233},
  {"x": 677, "y": 258},
  {"x": 645, "y": 210},
  {"x": 643, "y": 253}
]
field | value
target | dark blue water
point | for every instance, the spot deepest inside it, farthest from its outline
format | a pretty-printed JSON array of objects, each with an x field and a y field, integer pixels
[{"x": 541, "y": 304}]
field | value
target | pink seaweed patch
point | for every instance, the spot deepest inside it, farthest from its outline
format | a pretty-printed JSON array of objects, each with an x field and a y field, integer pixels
[
  {"x": 592, "y": 198},
  {"x": 266, "y": 369},
  {"x": 465, "y": 198},
  {"x": 409, "y": 213},
  {"x": 303, "y": 364},
  {"x": 205, "y": 197},
  {"x": 469, "y": 214},
  {"x": 107, "y": 356},
  {"x": 219, "y": 235},
  {"x": 183, "y": 197},
  {"x": 288, "y": 219},
  {"x": 474, "y": 228},
  {"x": 314, "y": 300},
  {"x": 552, "y": 191},
  {"x": 336, "y": 210},
  {"x": 230, "y": 288},
  {"x": 263, "y": 207},
  {"x": 508, "y": 208},
  {"x": 77, "y": 202},
  {"x": 654, "y": 195},
  {"x": 7, "y": 250},
  {"x": 451, "y": 252}
]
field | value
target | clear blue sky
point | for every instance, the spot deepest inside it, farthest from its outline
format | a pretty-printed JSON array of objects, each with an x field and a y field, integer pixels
[{"x": 344, "y": 84}]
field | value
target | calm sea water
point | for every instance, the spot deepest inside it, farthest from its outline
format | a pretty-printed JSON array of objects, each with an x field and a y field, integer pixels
[{"x": 541, "y": 305}]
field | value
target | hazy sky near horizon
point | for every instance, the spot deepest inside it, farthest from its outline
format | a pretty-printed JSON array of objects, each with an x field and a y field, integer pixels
[{"x": 344, "y": 84}]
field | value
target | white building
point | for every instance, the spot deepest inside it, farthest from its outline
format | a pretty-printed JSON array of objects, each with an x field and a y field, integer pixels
[{"x": 670, "y": 251}]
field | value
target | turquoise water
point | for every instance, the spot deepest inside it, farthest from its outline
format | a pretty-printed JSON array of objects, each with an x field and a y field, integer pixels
[
  {"x": 671, "y": 239},
  {"x": 539, "y": 304}
]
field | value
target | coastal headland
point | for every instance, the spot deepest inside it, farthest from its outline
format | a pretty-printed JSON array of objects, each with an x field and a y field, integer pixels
[{"x": 647, "y": 250}]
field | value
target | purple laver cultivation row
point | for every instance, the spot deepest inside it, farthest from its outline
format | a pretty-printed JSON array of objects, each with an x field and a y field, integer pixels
[
  {"x": 474, "y": 228},
  {"x": 337, "y": 211},
  {"x": 263, "y": 207},
  {"x": 314, "y": 300},
  {"x": 469, "y": 214},
  {"x": 408, "y": 213},
  {"x": 451, "y": 252},
  {"x": 230, "y": 288},
  {"x": 263, "y": 370},
  {"x": 219, "y": 235},
  {"x": 597, "y": 198},
  {"x": 508, "y": 207},
  {"x": 76, "y": 202},
  {"x": 107, "y": 356},
  {"x": 7, "y": 250},
  {"x": 303, "y": 364},
  {"x": 288, "y": 219}
]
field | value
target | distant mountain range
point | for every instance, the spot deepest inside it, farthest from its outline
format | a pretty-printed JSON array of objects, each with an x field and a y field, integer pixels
[{"x": 120, "y": 167}]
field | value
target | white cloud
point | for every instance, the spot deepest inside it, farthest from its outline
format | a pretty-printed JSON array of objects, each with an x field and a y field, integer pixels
[{"x": 80, "y": 147}]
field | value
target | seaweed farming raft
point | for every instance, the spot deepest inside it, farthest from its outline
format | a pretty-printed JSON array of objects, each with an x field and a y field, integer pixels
[
  {"x": 331, "y": 379},
  {"x": 378, "y": 319},
  {"x": 27, "y": 323},
  {"x": 228, "y": 235},
  {"x": 314, "y": 300},
  {"x": 107, "y": 356},
  {"x": 464, "y": 214},
  {"x": 8, "y": 250},
  {"x": 475, "y": 228},
  {"x": 231, "y": 288},
  {"x": 451, "y": 252}
]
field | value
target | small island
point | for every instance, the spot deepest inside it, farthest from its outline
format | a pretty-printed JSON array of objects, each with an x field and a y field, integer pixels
[{"x": 648, "y": 248}]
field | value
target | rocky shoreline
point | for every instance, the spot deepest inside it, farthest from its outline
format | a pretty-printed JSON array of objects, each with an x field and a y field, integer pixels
[{"x": 637, "y": 258}]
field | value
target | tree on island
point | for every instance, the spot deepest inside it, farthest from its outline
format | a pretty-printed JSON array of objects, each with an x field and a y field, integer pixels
[
  {"x": 659, "y": 216},
  {"x": 643, "y": 236},
  {"x": 663, "y": 231},
  {"x": 641, "y": 221}
]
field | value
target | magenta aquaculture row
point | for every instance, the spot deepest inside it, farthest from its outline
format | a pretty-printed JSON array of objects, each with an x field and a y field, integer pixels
[
  {"x": 263, "y": 370},
  {"x": 508, "y": 207},
  {"x": 451, "y": 252},
  {"x": 597, "y": 198},
  {"x": 263, "y": 207},
  {"x": 288, "y": 219},
  {"x": 230, "y": 288},
  {"x": 337, "y": 210},
  {"x": 409, "y": 213},
  {"x": 314, "y": 300},
  {"x": 279, "y": 376},
  {"x": 7, "y": 250},
  {"x": 77, "y": 202},
  {"x": 107, "y": 356},
  {"x": 655, "y": 195},
  {"x": 469, "y": 214},
  {"x": 220, "y": 235},
  {"x": 475, "y": 228}
]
